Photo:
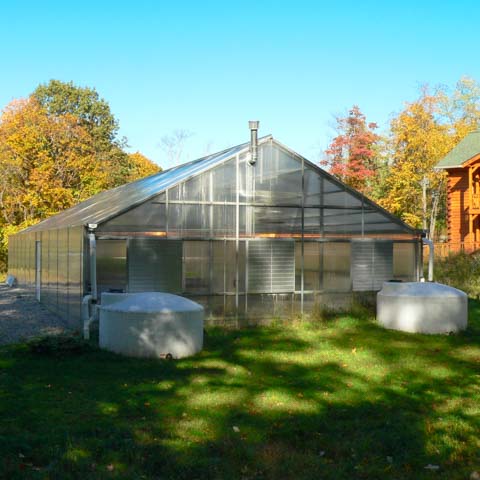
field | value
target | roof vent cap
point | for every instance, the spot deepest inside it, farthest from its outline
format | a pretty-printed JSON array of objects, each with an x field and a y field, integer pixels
[{"x": 253, "y": 126}]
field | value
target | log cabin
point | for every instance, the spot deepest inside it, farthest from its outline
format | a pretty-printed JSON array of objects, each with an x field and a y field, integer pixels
[{"x": 462, "y": 165}]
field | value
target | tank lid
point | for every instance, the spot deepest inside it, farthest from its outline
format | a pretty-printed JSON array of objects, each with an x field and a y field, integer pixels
[
  {"x": 420, "y": 289},
  {"x": 152, "y": 302}
]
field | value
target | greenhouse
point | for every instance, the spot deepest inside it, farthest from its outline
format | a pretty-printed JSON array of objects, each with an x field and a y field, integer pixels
[{"x": 251, "y": 232}]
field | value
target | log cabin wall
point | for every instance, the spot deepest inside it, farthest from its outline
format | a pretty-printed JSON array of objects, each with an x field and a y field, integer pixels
[
  {"x": 463, "y": 222},
  {"x": 457, "y": 206},
  {"x": 462, "y": 165}
]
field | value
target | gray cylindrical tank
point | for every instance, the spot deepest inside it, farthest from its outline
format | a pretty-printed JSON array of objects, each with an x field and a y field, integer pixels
[
  {"x": 422, "y": 307},
  {"x": 151, "y": 324}
]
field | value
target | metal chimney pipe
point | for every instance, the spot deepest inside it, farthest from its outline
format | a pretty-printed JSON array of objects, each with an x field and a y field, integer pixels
[{"x": 253, "y": 126}]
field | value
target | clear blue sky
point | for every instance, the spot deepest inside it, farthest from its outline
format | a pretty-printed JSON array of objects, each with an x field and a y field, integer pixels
[{"x": 210, "y": 66}]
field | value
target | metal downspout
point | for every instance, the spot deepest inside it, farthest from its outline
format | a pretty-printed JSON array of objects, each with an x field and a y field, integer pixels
[
  {"x": 428, "y": 242},
  {"x": 92, "y": 242},
  {"x": 89, "y": 302}
]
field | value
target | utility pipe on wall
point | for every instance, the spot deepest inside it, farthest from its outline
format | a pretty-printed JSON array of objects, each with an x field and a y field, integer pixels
[
  {"x": 88, "y": 315},
  {"x": 428, "y": 242},
  {"x": 92, "y": 242}
]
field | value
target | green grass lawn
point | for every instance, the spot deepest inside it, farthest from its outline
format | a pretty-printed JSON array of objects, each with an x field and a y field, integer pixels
[{"x": 344, "y": 399}]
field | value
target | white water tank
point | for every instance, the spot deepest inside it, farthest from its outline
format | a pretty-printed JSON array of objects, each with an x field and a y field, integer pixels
[
  {"x": 422, "y": 307},
  {"x": 151, "y": 324}
]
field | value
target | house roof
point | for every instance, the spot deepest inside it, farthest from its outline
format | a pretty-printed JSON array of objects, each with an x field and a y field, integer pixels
[
  {"x": 468, "y": 148},
  {"x": 111, "y": 203}
]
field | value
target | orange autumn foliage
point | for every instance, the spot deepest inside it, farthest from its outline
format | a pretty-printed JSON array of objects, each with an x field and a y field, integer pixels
[{"x": 49, "y": 163}]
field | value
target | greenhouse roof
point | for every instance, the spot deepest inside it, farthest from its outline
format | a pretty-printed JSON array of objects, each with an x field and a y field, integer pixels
[
  {"x": 111, "y": 203},
  {"x": 108, "y": 204},
  {"x": 468, "y": 148}
]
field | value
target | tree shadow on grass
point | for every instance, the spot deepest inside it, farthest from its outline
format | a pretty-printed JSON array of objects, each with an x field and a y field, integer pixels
[{"x": 346, "y": 401}]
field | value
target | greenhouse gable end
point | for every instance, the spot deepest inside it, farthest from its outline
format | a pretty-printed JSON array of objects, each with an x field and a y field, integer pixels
[{"x": 248, "y": 240}]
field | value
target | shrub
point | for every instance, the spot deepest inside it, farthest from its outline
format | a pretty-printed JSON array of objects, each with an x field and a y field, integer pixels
[
  {"x": 59, "y": 345},
  {"x": 322, "y": 313},
  {"x": 460, "y": 270}
]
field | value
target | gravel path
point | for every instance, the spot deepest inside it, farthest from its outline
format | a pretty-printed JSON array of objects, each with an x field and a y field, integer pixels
[{"x": 21, "y": 316}]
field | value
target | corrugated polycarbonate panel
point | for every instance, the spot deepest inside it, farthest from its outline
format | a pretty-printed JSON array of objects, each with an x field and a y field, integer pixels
[
  {"x": 45, "y": 291},
  {"x": 342, "y": 221},
  {"x": 196, "y": 220},
  {"x": 25, "y": 259},
  {"x": 12, "y": 256},
  {"x": 341, "y": 198},
  {"x": 75, "y": 278},
  {"x": 313, "y": 252},
  {"x": 111, "y": 265},
  {"x": 218, "y": 266},
  {"x": 196, "y": 256},
  {"x": 379, "y": 222},
  {"x": 404, "y": 262},
  {"x": 196, "y": 189},
  {"x": 224, "y": 182},
  {"x": 277, "y": 220},
  {"x": 271, "y": 266},
  {"x": 189, "y": 220},
  {"x": 62, "y": 276},
  {"x": 278, "y": 177},
  {"x": 383, "y": 264},
  {"x": 336, "y": 265},
  {"x": 154, "y": 265},
  {"x": 21, "y": 270},
  {"x": 150, "y": 215},
  {"x": 28, "y": 262},
  {"x": 21, "y": 260},
  {"x": 223, "y": 267},
  {"x": 17, "y": 256},
  {"x": 223, "y": 220},
  {"x": 53, "y": 269},
  {"x": 372, "y": 264}
]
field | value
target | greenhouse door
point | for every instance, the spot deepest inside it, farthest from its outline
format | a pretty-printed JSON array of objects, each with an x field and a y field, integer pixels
[{"x": 38, "y": 269}]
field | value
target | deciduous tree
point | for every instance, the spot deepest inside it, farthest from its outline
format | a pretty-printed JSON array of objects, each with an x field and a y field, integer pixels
[
  {"x": 141, "y": 166},
  {"x": 93, "y": 113},
  {"x": 60, "y": 98},
  {"x": 49, "y": 161},
  {"x": 47, "y": 164},
  {"x": 421, "y": 135},
  {"x": 352, "y": 155},
  {"x": 173, "y": 145}
]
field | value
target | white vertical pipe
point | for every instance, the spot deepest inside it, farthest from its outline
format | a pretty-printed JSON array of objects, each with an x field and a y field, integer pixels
[
  {"x": 93, "y": 264},
  {"x": 428, "y": 242}
]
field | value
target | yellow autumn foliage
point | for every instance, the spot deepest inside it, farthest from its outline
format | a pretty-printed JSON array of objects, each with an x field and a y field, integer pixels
[
  {"x": 421, "y": 135},
  {"x": 49, "y": 163}
]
